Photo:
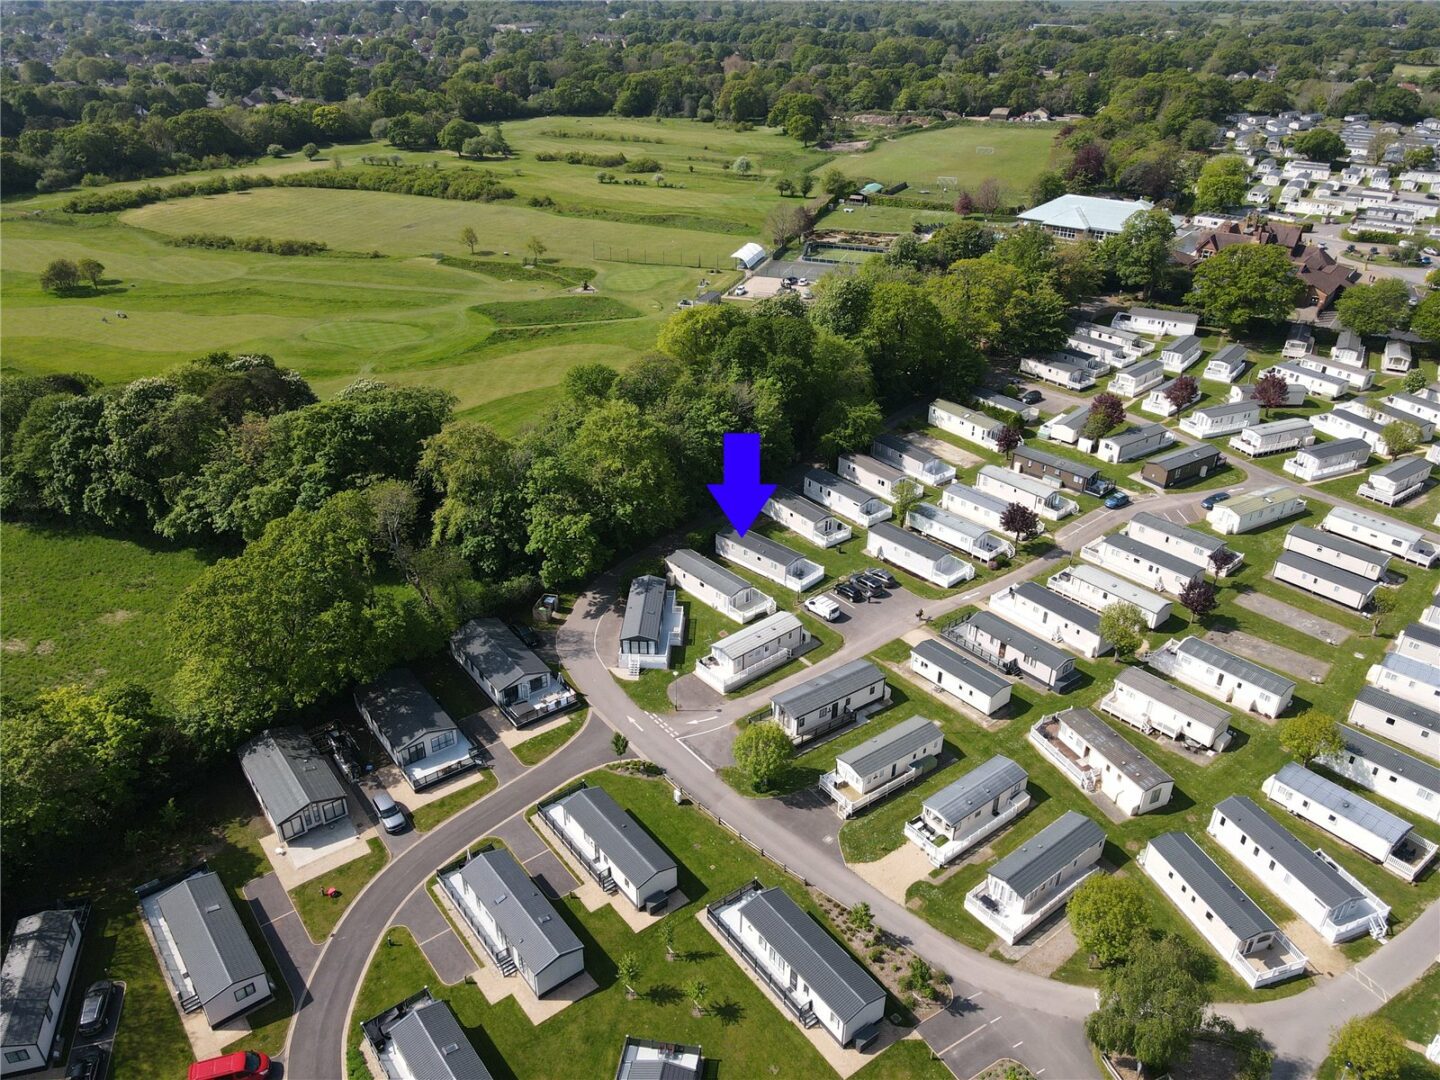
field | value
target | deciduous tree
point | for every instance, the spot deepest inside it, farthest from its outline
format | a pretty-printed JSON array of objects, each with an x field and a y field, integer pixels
[
  {"x": 1272, "y": 391},
  {"x": 1247, "y": 283},
  {"x": 1222, "y": 183},
  {"x": 60, "y": 276},
  {"x": 468, "y": 238},
  {"x": 1181, "y": 391},
  {"x": 1124, "y": 626},
  {"x": 1310, "y": 735},
  {"x": 762, "y": 752},
  {"x": 1399, "y": 437},
  {"x": 1375, "y": 309},
  {"x": 1199, "y": 598},
  {"x": 1140, "y": 254},
  {"x": 1108, "y": 914},
  {"x": 90, "y": 270},
  {"x": 1151, "y": 1005},
  {"x": 1020, "y": 521},
  {"x": 1371, "y": 1047}
]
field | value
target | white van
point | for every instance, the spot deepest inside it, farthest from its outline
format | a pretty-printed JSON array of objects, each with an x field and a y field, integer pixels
[{"x": 825, "y": 606}]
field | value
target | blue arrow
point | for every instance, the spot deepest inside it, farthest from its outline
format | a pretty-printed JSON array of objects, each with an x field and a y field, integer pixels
[{"x": 741, "y": 495}]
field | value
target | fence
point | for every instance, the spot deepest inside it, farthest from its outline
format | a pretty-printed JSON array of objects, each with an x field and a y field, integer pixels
[{"x": 712, "y": 261}]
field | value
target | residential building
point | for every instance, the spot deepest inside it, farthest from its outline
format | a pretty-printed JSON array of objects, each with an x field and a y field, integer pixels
[
  {"x": 1400, "y": 480},
  {"x": 1326, "y": 580},
  {"x": 1410, "y": 783},
  {"x": 1065, "y": 427},
  {"x": 1294, "y": 393},
  {"x": 1160, "y": 402},
  {"x": 34, "y": 982},
  {"x": 1136, "y": 380},
  {"x": 807, "y": 969},
  {"x": 1397, "y": 359},
  {"x": 993, "y": 399},
  {"x": 1183, "y": 464},
  {"x": 645, "y": 1059},
  {"x": 654, "y": 623},
  {"x": 1348, "y": 424},
  {"x": 1037, "y": 878},
  {"x": 1027, "y": 490},
  {"x": 1062, "y": 471},
  {"x": 1150, "y": 704},
  {"x": 913, "y": 460},
  {"x": 956, "y": 531},
  {"x": 1217, "y": 420},
  {"x": 413, "y": 729},
  {"x": 1310, "y": 379},
  {"x": 1337, "y": 551},
  {"x": 1416, "y": 681},
  {"x": 1227, "y": 364},
  {"x": 974, "y": 505},
  {"x": 1299, "y": 341},
  {"x": 612, "y": 846},
  {"x": 1326, "y": 460},
  {"x": 749, "y": 653},
  {"x": 1189, "y": 544},
  {"x": 204, "y": 949},
  {"x": 768, "y": 558},
  {"x": 1013, "y": 651},
  {"x": 1097, "y": 589},
  {"x": 917, "y": 555},
  {"x": 1274, "y": 437},
  {"x": 884, "y": 763},
  {"x": 1223, "y": 676},
  {"x": 1383, "y": 534},
  {"x": 1314, "y": 885},
  {"x": 961, "y": 678},
  {"x": 523, "y": 685},
  {"x": 1355, "y": 378},
  {"x": 717, "y": 588},
  {"x": 965, "y": 423},
  {"x": 1155, "y": 322},
  {"x": 293, "y": 782},
  {"x": 1372, "y": 830},
  {"x": 1072, "y": 217},
  {"x": 1094, "y": 757},
  {"x": 420, "y": 1039},
  {"x": 832, "y": 699},
  {"x": 846, "y": 499},
  {"x": 1051, "y": 616},
  {"x": 1181, "y": 354},
  {"x": 1244, "y": 936},
  {"x": 1255, "y": 510},
  {"x": 873, "y": 475},
  {"x": 516, "y": 924},
  {"x": 1349, "y": 349},
  {"x": 974, "y": 807},
  {"x": 1151, "y": 567},
  {"x": 1059, "y": 369},
  {"x": 1133, "y": 442},
  {"x": 807, "y": 519}
]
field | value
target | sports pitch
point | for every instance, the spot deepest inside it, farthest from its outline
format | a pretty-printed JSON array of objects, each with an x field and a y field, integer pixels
[{"x": 966, "y": 155}]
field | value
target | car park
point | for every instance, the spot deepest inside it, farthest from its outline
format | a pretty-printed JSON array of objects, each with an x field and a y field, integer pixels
[
  {"x": 95, "y": 1008},
  {"x": 241, "y": 1065},
  {"x": 851, "y": 593},
  {"x": 1210, "y": 501},
  {"x": 1116, "y": 499},
  {"x": 883, "y": 576},
  {"x": 824, "y": 606},
  {"x": 392, "y": 818},
  {"x": 86, "y": 1063}
]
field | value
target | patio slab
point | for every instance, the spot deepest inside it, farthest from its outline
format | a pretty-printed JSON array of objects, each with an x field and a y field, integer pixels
[
  {"x": 513, "y": 737},
  {"x": 1313, "y": 625},
  {"x": 318, "y": 852},
  {"x": 1303, "y": 668}
]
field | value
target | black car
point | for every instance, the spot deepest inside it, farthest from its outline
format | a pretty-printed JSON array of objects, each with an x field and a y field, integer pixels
[
  {"x": 95, "y": 1008},
  {"x": 86, "y": 1063},
  {"x": 876, "y": 585},
  {"x": 883, "y": 576},
  {"x": 851, "y": 593},
  {"x": 1032, "y": 397},
  {"x": 529, "y": 638}
]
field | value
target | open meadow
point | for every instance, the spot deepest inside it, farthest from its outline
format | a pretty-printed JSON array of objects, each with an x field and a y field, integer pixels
[{"x": 970, "y": 153}]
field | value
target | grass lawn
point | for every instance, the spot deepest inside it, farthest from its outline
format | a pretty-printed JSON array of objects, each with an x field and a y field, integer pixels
[
  {"x": 433, "y": 813},
  {"x": 321, "y": 913},
  {"x": 703, "y": 627},
  {"x": 741, "y": 1030},
  {"x": 533, "y": 751},
  {"x": 1416, "y": 1012}
]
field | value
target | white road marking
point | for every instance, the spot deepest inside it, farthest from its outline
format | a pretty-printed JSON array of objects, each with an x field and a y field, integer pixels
[
  {"x": 958, "y": 1041},
  {"x": 1018, "y": 1045},
  {"x": 1039, "y": 1071},
  {"x": 702, "y": 761},
  {"x": 702, "y": 720},
  {"x": 432, "y": 937},
  {"x": 997, "y": 1019},
  {"x": 635, "y": 722}
]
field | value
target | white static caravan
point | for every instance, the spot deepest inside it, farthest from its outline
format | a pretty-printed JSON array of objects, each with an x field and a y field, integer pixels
[
  {"x": 1324, "y": 460},
  {"x": 916, "y": 554},
  {"x": 830, "y": 700},
  {"x": 952, "y": 529},
  {"x": 1372, "y": 830},
  {"x": 613, "y": 847},
  {"x": 716, "y": 587},
  {"x": 1312, "y": 381},
  {"x": 912, "y": 459},
  {"x": 1410, "y": 783},
  {"x": 749, "y": 653},
  {"x": 1419, "y": 641},
  {"x": 873, "y": 475},
  {"x": 1217, "y": 420},
  {"x": 1244, "y": 936},
  {"x": 1325, "y": 580},
  {"x": 1414, "y": 680},
  {"x": 1082, "y": 343},
  {"x": 1133, "y": 442},
  {"x": 972, "y": 505},
  {"x": 1316, "y": 888},
  {"x": 1397, "y": 359},
  {"x": 1131, "y": 342},
  {"x": 1051, "y": 615},
  {"x": 1029, "y": 491},
  {"x": 1255, "y": 510},
  {"x": 1150, "y": 704},
  {"x": 1094, "y": 757},
  {"x": 1189, "y": 544},
  {"x": 1155, "y": 322},
  {"x": 962, "y": 814},
  {"x": 1349, "y": 349},
  {"x": 1181, "y": 354},
  {"x": 806, "y": 518},
  {"x": 36, "y": 974},
  {"x": 654, "y": 623},
  {"x": 1351, "y": 421},
  {"x": 1058, "y": 370},
  {"x": 846, "y": 499},
  {"x": 968, "y": 424},
  {"x": 887, "y": 762},
  {"x": 1354, "y": 378},
  {"x": 1227, "y": 365},
  {"x": 1274, "y": 437},
  {"x": 1097, "y": 589},
  {"x": 961, "y": 678},
  {"x": 995, "y": 400},
  {"x": 1382, "y": 533},
  {"x": 1159, "y": 402},
  {"x": 1294, "y": 393},
  {"x": 1065, "y": 427},
  {"x": 1299, "y": 341},
  {"x": 1337, "y": 551},
  {"x": 768, "y": 558},
  {"x": 1223, "y": 676},
  {"x": 1011, "y": 650},
  {"x": 1397, "y": 482},
  {"x": 1149, "y": 566},
  {"x": 1424, "y": 406},
  {"x": 1134, "y": 381}
]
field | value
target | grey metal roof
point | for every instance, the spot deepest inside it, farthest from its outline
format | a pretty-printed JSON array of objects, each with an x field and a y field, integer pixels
[
  {"x": 1412, "y": 667},
  {"x": 1159, "y": 556},
  {"x": 979, "y": 419},
  {"x": 1114, "y": 748},
  {"x": 1143, "y": 369},
  {"x": 668, "y": 1063},
  {"x": 1047, "y": 852},
  {"x": 1312, "y": 872},
  {"x": 841, "y": 486},
  {"x": 497, "y": 653},
  {"x": 843, "y": 985},
  {"x": 1186, "y": 455},
  {"x": 1233, "y": 665},
  {"x": 1059, "y": 605},
  {"x": 1172, "y": 696},
  {"x": 1399, "y": 707},
  {"x": 1139, "y": 433},
  {"x": 917, "y": 545},
  {"x": 873, "y": 465},
  {"x": 1331, "y": 542},
  {"x": 1344, "y": 803},
  {"x": 208, "y": 933},
  {"x": 976, "y": 497},
  {"x": 1230, "y": 408},
  {"x": 763, "y": 546},
  {"x": 1403, "y": 469},
  {"x": 1387, "y": 757},
  {"x": 1055, "y": 461},
  {"x": 644, "y": 609},
  {"x": 708, "y": 572},
  {"x": 288, "y": 773},
  {"x": 828, "y": 686},
  {"x": 1028, "y": 644},
  {"x": 800, "y": 506},
  {"x": 1422, "y": 632},
  {"x": 1229, "y": 903},
  {"x": 980, "y": 785},
  {"x": 1342, "y": 579},
  {"x": 434, "y": 1045},
  {"x": 402, "y": 708},
  {"x": 1160, "y": 313},
  {"x": 31, "y": 966},
  {"x": 1229, "y": 354},
  {"x": 1386, "y": 525},
  {"x": 1209, "y": 544},
  {"x": 905, "y": 447},
  {"x": 950, "y": 520},
  {"x": 890, "y": 746},
  {"x": 1349, "y": 339},
  {"x": 756, "y": 634},
  {"x": 1336, "y": 448},
  {"x": 528, "y": 920},
  {"x": 632, "y": 850},
  {"x": 1183, "y": 345},
  {"x": 961, "y": 667}
]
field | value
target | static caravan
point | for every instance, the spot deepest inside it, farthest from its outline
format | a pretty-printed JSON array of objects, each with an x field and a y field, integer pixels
[
  {"x": 36, "y": 975},
  {"x": 968, "y": 424},
  {"x": 1217, "y": 420},
  {"x": 961, "y": 678},
  {"x": 1160, "y": 402},
  {"x": 993, "y": 399},
  {"x": 973, "y": 505},
  {"x": 1014, "y": 651},
  {"x": 654, "y": 623},
  {"x": 1058, "y": 370},
  {"x": 1314, "y": 885},
  {"x": 1397, "y": 359},
  {"x": 1156, "y": 323},
  {"x": 1150, "y": 704},
  {"x": 1337, "y": 551},
  {"x": 1151, "y": 567},
  {"x": 1136, "y": 380},
  {"x": 749, "y": 653},
  {"x": 1133, "y": 344},
  {"x": 414, "y": 730},
  {"x": 293, "y": 782},
  {"x": 1424, "y": 406},
  {"x": 768, "y": 558},
  {"x": 1420, "y": 641},
  {"x": 1189, "y": 544},
  {"x": 1382, "y": 533},
  {"x": 1026, "y": 886},
  {"x": 873, "y": 475},
  {"x": 1183, "y": 464},
  {"x": 1351, "y": 422},
  {"x": 1029, "y": 491},
  {"x": 952, "y": 529},
  {"x": 1223, "y": 676},
  {"x": 962, "y": 814},
  {"x": 1065, "y": 427},
  {"x": 912, "y": 459},
  {"x": 1227, "y": 365},
  {"x": 917, "y": 555},
  {"x": 1312, "y": 380},
  {"x": 1061, "y": 471},
  {"x": 1133, "y": 442},
  {"x": 1085, "y": 344},
  {"x": 619, "y": 854},
  {"x": 1274, "y": 437},
  {"x": 420, "y": 1036},
  {"x": 830, "y": 700},
  {"x": 846, "y": 499},
  {"x": 806, "y": 518},
  {"x": 1325, "y": 580},
  {"x": 1097, "y": 589},
  {"x": 887, "y": 762},
  {"x": 1416, "y": 681},
  {"x": 1349, "y": 349},
  {"x": 1324, "y": 460},
  {"x": 1094, "y": 757},
  {"x": 1244, "y": 936},
  {"x": 519, "y": 682},
  {"x": 1351, "y": 377},
  {"x": 1294, "y": 392},
  {"x": 1396, "y": 482},
  {"x": 1051, "y": 615},
  {"x": 1255, "y": 510},
  {"x": 1410, "y": 783},
  {"x": 716, "y": 587},
  {"x": 1299, "y": 341},
  {"x": 1181, "y": 354}
]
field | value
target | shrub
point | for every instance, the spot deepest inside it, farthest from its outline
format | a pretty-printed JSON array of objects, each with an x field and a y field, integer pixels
[{"x": 643, "y": 165}]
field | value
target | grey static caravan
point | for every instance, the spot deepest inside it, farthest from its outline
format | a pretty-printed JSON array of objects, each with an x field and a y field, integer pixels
[
  {"x": 1052, "y": 468},
  {"x": 846, "y": 499},
  {"x": 521, "y": 683},
  {"x": 952, "y": 529},
  {"x": 1223, "y": 676},
  {"x": 1274, "y": 437},
  {"x": 917, "y": 555},
  {"x": 912, "y": 459},
  {"x": 768, "y": 558},
  {"x": 1324, "y": 580},
  {"x": 715, "y": 587},
  {"x": 749, "y": 653},
  {"x": 36, "y": 974},
  {"x": 1097, "y": 589},
  {"x": 1011, "y": 650},
  {"x": 654, "y": 623},
  {"x": 830, "y": 700},
  {"x": 1182, "y": 353},
  {"x": 961, "y": 678},
  {"x": 1410, "y": 783},
  {"x": 1149, "y": 566},
  {"x": 1382, "y": 533},
  {"x": 884, "y": 763},
  {"x": 805, "y": 518},
  {"x": 962, "y": 814},
  {"x": 1397, "y": 482},
  {"x": 293, "y": 782},
  {"x": 1094, "y": 757},
  {"x": 620, "y": 855},
  {"x": 1337, "y": 551},
  {"x": 1150, "y": 704},
  {"x": 413, "y": 728},
  {"x": 1051, "y": 615},
  {"x": 420, "y": 1036}
]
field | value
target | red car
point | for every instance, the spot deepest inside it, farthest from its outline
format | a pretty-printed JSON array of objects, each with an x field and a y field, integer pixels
[{"x": 241, "y": 1065}]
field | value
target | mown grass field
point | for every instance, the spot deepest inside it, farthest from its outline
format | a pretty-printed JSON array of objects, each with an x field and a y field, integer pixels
[{"x": 1013, "y": 154}]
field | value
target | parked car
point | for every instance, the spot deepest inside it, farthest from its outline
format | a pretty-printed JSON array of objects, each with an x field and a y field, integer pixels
[
  {"x": 392, "y": 818},
  {"x": 529, "y": 638},
  {"x": 867, "y": 590},
  {"x": 883, "y": 576},
  {"x": 1032, "y": 397},
  {"x": 241, "y": 1065},
  {"x": 851, "y": 593},
  {"x": 1116, "y": 499},
  {"x": 1210, "y": 501},
  {"x": 823, "y": 606},
  {"x": 95, "y": 1008},
  {"x": 86, "y": 1063}
]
